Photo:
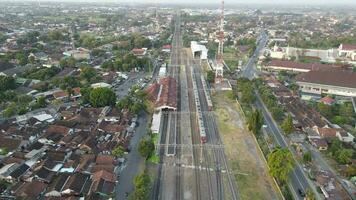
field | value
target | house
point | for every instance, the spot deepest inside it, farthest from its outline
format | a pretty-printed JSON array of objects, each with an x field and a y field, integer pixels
[
  {"x": 77, "y": 184},
  {"x": 103, "y": 182},
  {"x": 166, "y": 48},
  {"x": 6, "y": 170},
  {"x": 60, "y": 94},
  {"x": 319, "y": 143},
  {"x": 347, "y": 51},
  {"x": 139, "y": 52},
  {"x": 18, "y": 172},
  {"x": 29, "y": 190},
  {"x": 101, "y": 85},
  {"x": 327, "y": 132},
  {"x": 327, "y": 100},
  {"x": 78, "y": 54}
]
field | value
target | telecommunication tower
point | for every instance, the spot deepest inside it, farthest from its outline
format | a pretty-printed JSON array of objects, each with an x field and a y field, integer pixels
[{"x": 220, "y": 55}]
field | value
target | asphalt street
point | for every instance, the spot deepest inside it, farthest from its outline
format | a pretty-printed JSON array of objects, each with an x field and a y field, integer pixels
[
  {"x": 298, "y": 180},
  {"x": 133, "y": 161}
]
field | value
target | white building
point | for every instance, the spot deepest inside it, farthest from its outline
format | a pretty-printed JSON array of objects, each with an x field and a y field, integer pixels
[
  {"x": 198, "y": 50},
  {"x": 101, "y": 85},
  {"x": 156, "y": 122}
]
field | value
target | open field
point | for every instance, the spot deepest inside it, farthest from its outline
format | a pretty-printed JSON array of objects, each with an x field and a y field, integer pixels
[{"x": 245, "y": 158}]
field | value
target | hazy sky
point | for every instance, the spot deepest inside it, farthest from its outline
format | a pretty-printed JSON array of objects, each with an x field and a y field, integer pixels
[{"x": 322, "y": 2}]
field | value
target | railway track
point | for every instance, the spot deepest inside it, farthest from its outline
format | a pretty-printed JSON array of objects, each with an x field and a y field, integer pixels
[
  {"x": 195, "y": 137},
  {"x": 214, "y": 138},
  {"x": 156, "y": 190}
]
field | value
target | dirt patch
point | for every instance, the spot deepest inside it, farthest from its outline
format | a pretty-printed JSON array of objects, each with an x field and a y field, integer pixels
[{"x": 245, "y": 159}]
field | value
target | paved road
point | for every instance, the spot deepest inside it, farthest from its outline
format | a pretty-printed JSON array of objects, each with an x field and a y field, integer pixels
[
  {"x": 133, "y": 161},
  {"x": 123, "y": 89},
  {"x": 298, "y": 180},
  {"x": 249, "y": 70}
]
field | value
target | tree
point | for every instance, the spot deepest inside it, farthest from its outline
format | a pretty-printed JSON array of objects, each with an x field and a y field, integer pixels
[
  {"x": 85, "y": 92},
  {"x": 287, "y": 125},
  {"x": 335, "y": 146},
  {"x": 10, "y": 110},
  {"x": 351, "y": 170},
  {"x": 343, "y": 156},
  {"x": 346, "y": 110},
  {"x": 32, "y": 59},
  {"x": 255, "y": 121},
  {"x": 100, "y": 97},
  {"x": 88, "y": 73},
  {"x": 146, "y": 147},
  {"x": 69, "y": 82},
  {"x": 40, "y": 103},
  {"x": 21, "y": 58},
  {"x": 69, "y": 62},
  {"x": 277, "y": 113},
  {"x": 210, "y": 76},
  {"x": 108, "y": 65},
  {"x": 142, "y": 185},
  {"x": 325, "y": 110},
  {"x": 307, "y": 157},
  {"x": 7, "y": 83},
  {"x": 310, "y": 195},
  {"x": 247, "y": 95},
  {"x": 280, "y": 163},
  {"x": 118, "y": 151}
]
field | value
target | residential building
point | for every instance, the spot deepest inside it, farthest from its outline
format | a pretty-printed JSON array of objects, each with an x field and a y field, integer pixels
[{"x": 340, "y": 83}]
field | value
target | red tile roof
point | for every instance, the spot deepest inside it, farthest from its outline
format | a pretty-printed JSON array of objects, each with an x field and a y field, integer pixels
[
  {"x": 164, "y": 93},
  {"x": 31, "y": 190},
  {"x": 167, "y": 46},
  {"x": 348, "y": 47},
  {"x": 138, "y": 52},
  {"x": 327, "y": 100},
  {"x": 58, "y": 129},
  {"x": 102, "y": 174},
  {"x": 104, "y": 160},
  {"x": 298, "y": 65},
  {"x": 331, "y": 132},
  {"x": 332, "y": 78}
]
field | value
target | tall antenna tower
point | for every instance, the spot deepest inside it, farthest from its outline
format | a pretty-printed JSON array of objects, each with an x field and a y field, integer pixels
[{"x": 220, "y": 55}]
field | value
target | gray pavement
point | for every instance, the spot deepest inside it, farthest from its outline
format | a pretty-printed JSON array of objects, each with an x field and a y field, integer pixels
[
  {"x": 133, "y": 161},
  {"x": 298, "y": 180}
]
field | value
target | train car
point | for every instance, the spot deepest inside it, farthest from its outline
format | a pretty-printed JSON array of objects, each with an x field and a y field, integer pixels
[
  {"x": 199, "y": 115},
  {"x": 207, "y": 93}
]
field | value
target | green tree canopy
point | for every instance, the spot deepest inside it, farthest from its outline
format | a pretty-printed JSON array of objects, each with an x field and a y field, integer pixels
[
  {"x": 69, "y": 62},
  {"x": 343, "y": 156},
  {"x": 307, "y": 157},
  {"x": 280, "y": 163},
  {"x": 255, "y": 121},
  {"x": 69, "y": 82},
  {"x": 210, "y": 76},
  {"x": 100, "y": 97},
  {"x": 142, "y": 183},
  {"x": 146, "y": 147},
  {"x": 118, "y": 151},
  {"x": 88, "y": 73},
  {"x": 7, "y": 83},
  {"x": 287, "y": 125}
]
